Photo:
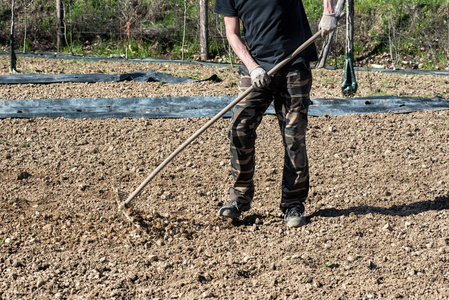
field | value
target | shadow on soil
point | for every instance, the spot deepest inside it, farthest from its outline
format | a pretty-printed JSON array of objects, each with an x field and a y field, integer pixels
[
  {"x": 248, "y": 220},
  {"x": 440, "y": 203}
]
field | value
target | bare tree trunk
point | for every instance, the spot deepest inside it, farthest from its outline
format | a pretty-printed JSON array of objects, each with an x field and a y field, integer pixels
[
  {"x": 203, "y": 30},
  {"x": 184, "y": 30},
  {"x": 60, "y": 24},
  {"x": 25, "y": 33},
  {"x": 328, "y": 41},
  {"x": 12, "y": 68}
]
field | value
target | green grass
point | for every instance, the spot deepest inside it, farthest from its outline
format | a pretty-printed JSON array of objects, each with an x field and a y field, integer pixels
[{"x": 420, "y": 29}]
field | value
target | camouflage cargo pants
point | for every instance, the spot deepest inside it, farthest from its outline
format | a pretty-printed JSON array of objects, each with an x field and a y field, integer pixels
[{"x": 290, "y": 91}]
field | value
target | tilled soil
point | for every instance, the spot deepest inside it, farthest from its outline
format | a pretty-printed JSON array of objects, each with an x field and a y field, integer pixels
[{"x": 378, "y": 206}]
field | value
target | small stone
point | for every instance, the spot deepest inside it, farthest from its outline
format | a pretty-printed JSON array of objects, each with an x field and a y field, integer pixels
[
  {"x": 40, "y": 283},
  {"x": 387, "y": 227},
  {"x": 47, "y": 227},
  {"x": 208, "y": 277},
  {"x": 34, "y": 240},
  {"x": 316, "y": 283},
  {"x": 371, "y": 265},
  {"x": 17, "y": 263},
  {"x": 152, "y": 258},
  {"x": 249, "y": 258},
  {"x": 35, "y": 267},
  {"x": 351, "y": 258}
]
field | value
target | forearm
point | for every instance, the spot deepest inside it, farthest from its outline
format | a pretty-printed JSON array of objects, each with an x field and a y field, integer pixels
[
  {"x": 241, "y": 51},
  {"x": 328, "y": 7},
  {"x": 232, "y": 25}
]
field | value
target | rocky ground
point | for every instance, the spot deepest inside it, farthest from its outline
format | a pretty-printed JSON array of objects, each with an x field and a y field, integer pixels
[{"x": 378, "y": 207}]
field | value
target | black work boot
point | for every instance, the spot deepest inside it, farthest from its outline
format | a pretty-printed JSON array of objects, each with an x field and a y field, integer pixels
[
  {"x": 294, "y": 216},
  {"x": 233, "y": 209}
]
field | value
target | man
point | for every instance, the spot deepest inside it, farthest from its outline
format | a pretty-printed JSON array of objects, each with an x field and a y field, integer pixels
[{"x": 273, "y": 29}]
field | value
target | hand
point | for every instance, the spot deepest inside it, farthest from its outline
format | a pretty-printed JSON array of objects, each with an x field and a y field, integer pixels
[
  {"x": 259, "y": 77},
  {"x": 328, "y": 23}
]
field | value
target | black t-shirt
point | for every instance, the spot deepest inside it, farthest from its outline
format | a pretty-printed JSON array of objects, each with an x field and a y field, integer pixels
[{"x": 273, "y": 29}]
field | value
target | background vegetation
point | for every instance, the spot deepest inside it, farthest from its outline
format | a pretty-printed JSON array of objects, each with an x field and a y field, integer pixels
[{"x": 397, "y": 33}]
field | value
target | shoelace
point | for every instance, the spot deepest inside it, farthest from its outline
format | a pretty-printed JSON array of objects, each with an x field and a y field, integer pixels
[{"x": 293, "y": 212}]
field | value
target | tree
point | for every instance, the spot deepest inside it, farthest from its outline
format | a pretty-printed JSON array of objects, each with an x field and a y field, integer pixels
[
  {"x": 12, "y": 68},
  {"x": 59, "y": 24},
  {"x": 203, "y": 30}
]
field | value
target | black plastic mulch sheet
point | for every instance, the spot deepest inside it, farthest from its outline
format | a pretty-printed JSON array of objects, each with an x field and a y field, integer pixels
[
  {"x": 193, "y": 107},
  {"x": 135, "y": 76}
]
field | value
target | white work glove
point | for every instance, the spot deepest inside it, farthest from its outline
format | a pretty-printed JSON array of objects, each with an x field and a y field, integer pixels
[
  {"x": 327, "y": 24},
  {"x": 259, "y": 77}
]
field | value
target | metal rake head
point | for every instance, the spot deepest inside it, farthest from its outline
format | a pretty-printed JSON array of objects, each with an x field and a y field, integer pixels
[{"x": 121, "y": 198}]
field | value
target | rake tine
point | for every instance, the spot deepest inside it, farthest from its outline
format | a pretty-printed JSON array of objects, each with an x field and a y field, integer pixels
[{"x": 121, "y": 195}]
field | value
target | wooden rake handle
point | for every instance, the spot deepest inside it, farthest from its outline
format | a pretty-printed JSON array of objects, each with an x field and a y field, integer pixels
[{"x": 273, "y": 71}]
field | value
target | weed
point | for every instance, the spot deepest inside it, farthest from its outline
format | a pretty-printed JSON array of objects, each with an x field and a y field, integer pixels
[
  {"x": 330, "y": 264},
  {"x": 25, "y": 145}
]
